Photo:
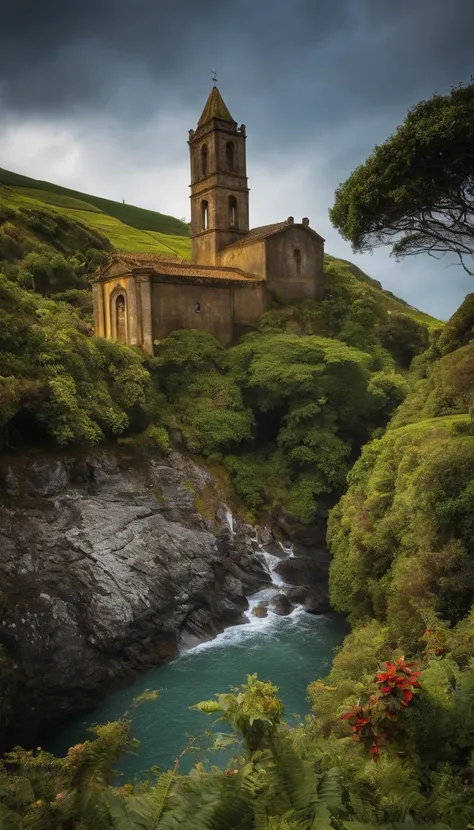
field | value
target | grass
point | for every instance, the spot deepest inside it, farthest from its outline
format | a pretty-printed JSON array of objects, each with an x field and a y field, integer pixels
[
  {"x": 447, "y": 424},
  {"x": 135, "y": 217},
  {"x": 389, "y": 301},
  {"x": 123, "y": 237}
]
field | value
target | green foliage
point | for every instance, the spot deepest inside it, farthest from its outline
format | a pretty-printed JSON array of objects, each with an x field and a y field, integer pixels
[
  {"x": 308, "y": 778},
  {"x": 403, "y": 337},
  {"x": 459, "y": 330},
  {"x": 401, "y": 537},
  {"x": 445, "y": 388},
  {"x": 415, "y": 190},
  {"x": 51, "y": 370}
]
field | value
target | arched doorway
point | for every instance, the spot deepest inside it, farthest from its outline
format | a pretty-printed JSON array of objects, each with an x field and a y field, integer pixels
[{"x": 119, "y": 311}]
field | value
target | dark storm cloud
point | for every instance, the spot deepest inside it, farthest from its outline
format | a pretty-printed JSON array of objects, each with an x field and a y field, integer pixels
[
  {"x": 319, "y": 63},
  {"x": 55, "y": 55}
]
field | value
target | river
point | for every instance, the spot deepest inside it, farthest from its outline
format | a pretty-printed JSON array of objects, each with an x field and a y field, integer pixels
[{"x": 290, "y": 651}]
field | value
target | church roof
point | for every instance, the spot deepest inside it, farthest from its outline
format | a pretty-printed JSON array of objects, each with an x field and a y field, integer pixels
[
  {"x": 189, "y": 271},
  {"x": 264, "y": 231},
  {"x": 214, "y": 108},
  {"x": 177, "y": 269}
]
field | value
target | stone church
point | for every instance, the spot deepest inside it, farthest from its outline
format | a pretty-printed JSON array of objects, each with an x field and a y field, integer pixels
[{"x": 234, "y": 272}]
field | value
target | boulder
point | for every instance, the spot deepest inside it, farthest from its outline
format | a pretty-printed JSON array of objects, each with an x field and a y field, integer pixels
[
  {"x": 314, "y": 599},
  {"x": 281, "y": 605},
  {"x": 302, "y": 570}
]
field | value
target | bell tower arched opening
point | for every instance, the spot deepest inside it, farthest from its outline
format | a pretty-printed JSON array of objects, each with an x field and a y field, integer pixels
[
  {"x": 233, "y": 217},
  {"x": 230, "y": 155}
]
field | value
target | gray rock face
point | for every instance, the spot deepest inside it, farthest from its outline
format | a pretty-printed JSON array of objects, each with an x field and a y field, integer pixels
[{"x": 106, "y": 568}]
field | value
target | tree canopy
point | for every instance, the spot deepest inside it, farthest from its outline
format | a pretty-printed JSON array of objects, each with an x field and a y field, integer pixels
[{"x": 416, "y": 191}]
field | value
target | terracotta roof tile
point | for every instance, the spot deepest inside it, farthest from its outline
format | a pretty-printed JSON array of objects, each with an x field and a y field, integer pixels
[
  {"x": 181, "y": 268},
  {"x": 256, "y": 234},
  {"x": 189, "y": 271},
  {"x": 144, "y": 258}
]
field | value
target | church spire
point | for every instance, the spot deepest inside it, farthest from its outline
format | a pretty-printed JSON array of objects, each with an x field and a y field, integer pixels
[{"x": 215, "y": 108}]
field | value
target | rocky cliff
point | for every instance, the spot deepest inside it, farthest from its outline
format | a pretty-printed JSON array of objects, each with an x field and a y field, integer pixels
[{"x": 106, "y": 567}]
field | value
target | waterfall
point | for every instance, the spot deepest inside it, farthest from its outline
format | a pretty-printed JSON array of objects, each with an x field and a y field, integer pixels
[
  {"x": 270, "y": 562},
  {"x": 287, "y": 550},
  {"x": 230, "y": 520}
]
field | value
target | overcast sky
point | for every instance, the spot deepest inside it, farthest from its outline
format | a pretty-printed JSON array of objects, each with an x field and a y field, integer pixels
[{"x": 99, "y": 95}]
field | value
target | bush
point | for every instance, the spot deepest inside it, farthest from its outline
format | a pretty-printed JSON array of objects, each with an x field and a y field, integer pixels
[{"x": 402, "y": 536}]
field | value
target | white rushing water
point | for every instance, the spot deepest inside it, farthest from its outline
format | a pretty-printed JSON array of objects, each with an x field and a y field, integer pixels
[
  {"x": 272, "y": 623},
  {"x": 270, "y": 562},
  {"x": 230, "y": 520}
]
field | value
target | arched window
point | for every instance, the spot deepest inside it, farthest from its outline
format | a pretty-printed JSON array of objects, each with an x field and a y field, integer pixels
[
  {"x": 297, "y": 258},
  {"x": 232, "y": 211},
  {"x": 229, "y": 155},
  {"x": 204, "y": 215},
  {"x": 120, "y": 319},
  {"x": 204, "y": 160},
  {"x": 197, "y": 308}
]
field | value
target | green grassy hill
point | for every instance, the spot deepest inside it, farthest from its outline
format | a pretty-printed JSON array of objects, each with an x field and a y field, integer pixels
[{"x": 127, "y": 228}]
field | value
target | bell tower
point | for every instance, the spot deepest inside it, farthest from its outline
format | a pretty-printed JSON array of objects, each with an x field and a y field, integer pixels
[{"x": 219, "y": 191}]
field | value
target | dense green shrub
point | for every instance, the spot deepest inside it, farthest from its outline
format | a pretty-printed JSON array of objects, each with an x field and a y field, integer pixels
[
  {"x": 459, "y": 330},
  {"x": 402, "y": 536},
  {"x": 77, "y": 387},
  {"x": 404, "y": 337}
]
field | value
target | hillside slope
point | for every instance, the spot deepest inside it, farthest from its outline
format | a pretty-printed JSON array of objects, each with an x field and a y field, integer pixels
[{"x": 128, "y": 228}]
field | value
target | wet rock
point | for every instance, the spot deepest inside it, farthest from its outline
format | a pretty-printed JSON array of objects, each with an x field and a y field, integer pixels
[
  {"x": 107, "y": 568},
  {"x": 303, "y": 570},
  {"x": 317, "y": 603},
  {"x": 265, "y": 536},
  {"x": 281, "y": 605},
  {"x": 260, "y": 610},
  {"x": 314, "y": 599}
]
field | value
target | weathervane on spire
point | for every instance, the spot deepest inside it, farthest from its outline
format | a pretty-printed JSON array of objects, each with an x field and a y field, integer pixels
[{"x": 214, "y": 76}]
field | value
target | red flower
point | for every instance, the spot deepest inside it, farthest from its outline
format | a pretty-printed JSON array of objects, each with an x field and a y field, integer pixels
[{"x": 407, "y": 696}]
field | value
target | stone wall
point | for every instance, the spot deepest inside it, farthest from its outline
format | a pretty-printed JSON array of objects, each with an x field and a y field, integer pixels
[
  {"x": 175, "y": 307},
  {"x": 250, "y": 302},
  {"x": 248, "y": 258},
  {"x": 213, "y": 308},
  {"x": 282, "y": 278}
]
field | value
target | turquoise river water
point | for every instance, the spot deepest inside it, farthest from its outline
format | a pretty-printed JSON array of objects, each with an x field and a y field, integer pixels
[{"x": 290, "y": 651}]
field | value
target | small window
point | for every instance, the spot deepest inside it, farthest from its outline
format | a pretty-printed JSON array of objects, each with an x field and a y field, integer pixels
[
  {"x": 197, "y": 308},
  {"x": 297, "y": 258},
  {"x": 229, "y": 155},
  {"x": 204, "y": 160},
  {"x": 204, "y": 215},
  {"x": 232, "y": 211}
]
